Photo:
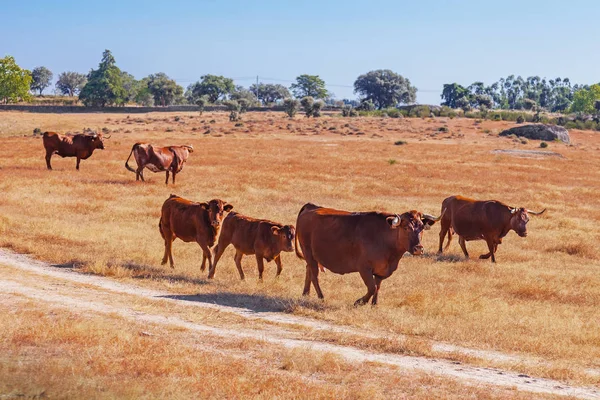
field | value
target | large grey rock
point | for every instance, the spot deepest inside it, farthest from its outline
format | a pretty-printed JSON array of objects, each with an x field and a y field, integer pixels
[{"x": 539, "y": 132}]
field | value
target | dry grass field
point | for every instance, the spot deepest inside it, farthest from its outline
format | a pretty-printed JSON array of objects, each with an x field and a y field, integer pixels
[{"x": 540, "y": 302}]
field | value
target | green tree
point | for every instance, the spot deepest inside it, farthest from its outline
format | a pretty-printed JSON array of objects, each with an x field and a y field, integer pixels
[
  {"x": 164, "y": 89},
  {"x": 240, "y": 93},
  {"x": 385, "y": 88},
  {"x": 70, "y": 83},
  {"x": 452, "y": 94},
  {"x": 584, "y": 100},
  {"x": 105, "y": 84},
  {"x": 131, "y": 87},
  {"x": 309, "y": 86},
  {"x": 269, "y": 93},
  {"x": 41, "y": 77},
  {"x": 14, "y": 81},
  {"x": 213, "y": 86}
]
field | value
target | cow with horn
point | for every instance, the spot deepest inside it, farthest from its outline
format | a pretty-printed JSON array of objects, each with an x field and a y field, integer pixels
[
  {"x": 370, "y": 243},
  {"x": 488, "y": 220},
  {"x": 81, "y": 145},
  {"x": 156, "y": 159}
]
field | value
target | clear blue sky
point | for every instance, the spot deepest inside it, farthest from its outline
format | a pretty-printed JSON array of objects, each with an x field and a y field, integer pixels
[{"x": 431, "y": 43}]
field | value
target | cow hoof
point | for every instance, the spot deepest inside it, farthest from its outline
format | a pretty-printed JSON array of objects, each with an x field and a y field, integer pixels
[{"x": 359, "y": 302}]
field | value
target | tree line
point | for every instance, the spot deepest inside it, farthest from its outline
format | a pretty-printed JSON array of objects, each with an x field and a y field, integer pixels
[
  {"x": 517, "y": 93},
  {"x": 108, "y": 85}
]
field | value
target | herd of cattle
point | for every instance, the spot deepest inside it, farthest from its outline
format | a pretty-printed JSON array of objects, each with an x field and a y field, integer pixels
[{"x": 370, "y": 243}]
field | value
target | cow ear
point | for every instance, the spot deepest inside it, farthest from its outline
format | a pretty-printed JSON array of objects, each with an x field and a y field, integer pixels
[
  {"x": 227, "y": 207},
  {"x": 427, "y": 223},
  {"x": 204, "y": 205},
  {"x": 275, "y": 230},
  {"x": 393, "y": 221}
]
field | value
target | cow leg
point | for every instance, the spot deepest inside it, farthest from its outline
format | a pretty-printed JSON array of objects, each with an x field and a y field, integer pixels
[
  {"x": 167, "y": 180},
  {"x": 207, "y": 254},
  {"x": 377, "y": 286},
  {"x": 77, "y": 167},
  {"x": 314, "y": 277},
  {"x": 203, "y": 266},
  {"x": 444, "y": 230},
  {"x": 367, "y": 276},
  {"x": 261, "y": 266},
  {"x": 306, "y": 282},
  {"x": 168, "y": 250},
  {"x": 48, "y": 157},
  {"x": 279, "y": 266},
  {"x": 238, "y": 263},
  {"x": 138, "y": 174},
  {"x": 492, "y": 246},
  {"x": 174, "y": 173},
  {"x": 463, "y": 246}
]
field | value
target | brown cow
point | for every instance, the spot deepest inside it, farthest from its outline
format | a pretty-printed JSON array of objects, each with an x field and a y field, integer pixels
[
  {"x": 191, "y": 222},
  {"x": 169, "y": 159},
  {"x": 370, "y": 243},
  {"x": 265, "y": 239},
  {"x": 489, "y": 220},
  {"x": 81, "y": 145}
]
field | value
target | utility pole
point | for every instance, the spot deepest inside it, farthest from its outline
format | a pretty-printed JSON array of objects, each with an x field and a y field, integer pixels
[{"x": 256, "y": 87}]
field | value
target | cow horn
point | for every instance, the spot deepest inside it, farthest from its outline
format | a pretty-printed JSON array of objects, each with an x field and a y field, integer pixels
[
  {"x": 434, "y": 219},
  {"x": 536, "y": 213},
  {"x": 513, "y": 210}
]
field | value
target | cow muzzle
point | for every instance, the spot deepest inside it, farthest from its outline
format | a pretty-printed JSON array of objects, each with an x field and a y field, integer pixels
[
  {"x": 522, "y": 234},
  {"x": 417, "y": 250}
]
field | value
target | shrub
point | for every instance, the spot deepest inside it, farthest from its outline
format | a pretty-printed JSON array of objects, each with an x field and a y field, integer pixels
[
  {"x": 349, "y": 111},
  {"x": 524, "y": 141},
  {"x": 393, "y": 113},
  {"x": 419, "y": 111},
  {"x": 291, "y": 107},
  {"x": 520, "y": 119},
  {"x": 177, "y": 118},
  {"x": 400, "y": 142},
  {"x": 307, "y": 104},
  {"x": 212, "y": 121},
  {"x": 201, "y": 103},
  {"x": 543, "y": 145},
  {"x": 316, "y": 108},
  {"x": 391, "y": 161},
  {"x": 443, "y": 129},
  {"x": 366, "y": 105},
  {"x": 37, "y": 131},
  {"x": 239, "y": 124},
  {"x": 234, "y": 116}
]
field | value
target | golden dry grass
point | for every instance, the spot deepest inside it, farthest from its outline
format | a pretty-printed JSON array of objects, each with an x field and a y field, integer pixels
[
  {"x": 541, "y": 299},
  {"x": 48, "y": 352}
]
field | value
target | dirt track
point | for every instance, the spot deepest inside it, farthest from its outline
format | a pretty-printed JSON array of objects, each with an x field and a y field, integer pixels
[{"x": 61, "y": 287}]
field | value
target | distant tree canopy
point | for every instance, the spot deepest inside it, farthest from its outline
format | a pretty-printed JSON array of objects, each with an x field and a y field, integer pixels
[
  {"x": 385, "y": 88},
  {"x": 41, "y": 77},
  {"x": 515, "y": 93},
  {"x": 70, "y": 83},
  {"x": 164, "y": 89},
  {"x": 105, "y": 84},
  {"x": 269, "y": 93},
  {"x": 309, "y": 86},
  {"x": 214, "y": 87},
  {"x": 245, "y": 97},
  {"x": 15, "y": 81},
  {"x": 585, "y": 100}
]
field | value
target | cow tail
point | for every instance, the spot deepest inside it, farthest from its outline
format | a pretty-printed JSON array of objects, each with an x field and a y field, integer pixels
[
  {"x": 126, "y": 162},
  {"x": 160, "y": 228},
  {"x": 298, "y": 253}
]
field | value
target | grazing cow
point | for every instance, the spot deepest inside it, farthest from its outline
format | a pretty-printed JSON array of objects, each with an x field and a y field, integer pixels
[
  {"x": 370, "y": 243},
  {"x": 169, "y": 159},
  {"x": 489, "y": 220},
  {"x": 81, "y": 145},
  {"x": 191, "y": 222},
  {"x": 265, "y": 239}
]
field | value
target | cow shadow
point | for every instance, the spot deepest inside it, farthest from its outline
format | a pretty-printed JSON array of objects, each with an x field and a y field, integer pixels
[
  {"x": 68, "y": 265},
  {"x": 444, "y": 257},
  {"x": 254, "y": 302},
  {"x": 141, "y": 271}
]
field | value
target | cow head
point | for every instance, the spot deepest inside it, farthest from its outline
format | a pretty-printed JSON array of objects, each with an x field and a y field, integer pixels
[
  {"x": 98, "y": 140},
  {"x": 216, "y": 208},
  {"x": 284, "y": 236},
  {"x": 519, "y": 219},
  {"x": 411, "y": 225},
  {"x": 189, "y": 148}
]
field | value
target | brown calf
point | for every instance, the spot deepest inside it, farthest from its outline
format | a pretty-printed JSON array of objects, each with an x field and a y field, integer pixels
[
  {"x": 191, "y": 222},
  {"x": 265, "y": 239}
]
